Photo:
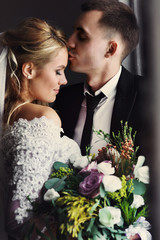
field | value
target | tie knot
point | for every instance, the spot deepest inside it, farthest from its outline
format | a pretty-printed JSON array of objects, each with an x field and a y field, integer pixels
[{"x": 92, "y": 101}]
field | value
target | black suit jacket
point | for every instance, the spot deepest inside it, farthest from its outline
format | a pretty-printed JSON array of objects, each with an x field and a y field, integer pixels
[{"x": 128, "y": 105}]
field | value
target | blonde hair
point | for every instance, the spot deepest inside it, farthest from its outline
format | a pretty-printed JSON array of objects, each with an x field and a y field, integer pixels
[{"x": 33, "y": 40}]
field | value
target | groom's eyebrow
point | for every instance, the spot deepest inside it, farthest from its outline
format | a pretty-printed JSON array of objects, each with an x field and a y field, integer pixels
[
  {"x": 81, "y": 29},
  {"x": 78, "y": 27}
]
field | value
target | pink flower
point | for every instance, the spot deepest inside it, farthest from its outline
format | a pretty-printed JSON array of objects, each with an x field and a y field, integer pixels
[{"x": 92, "y": 167}]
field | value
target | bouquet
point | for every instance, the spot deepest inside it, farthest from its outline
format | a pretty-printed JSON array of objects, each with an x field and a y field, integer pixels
[{"x": 104, "y": 200}]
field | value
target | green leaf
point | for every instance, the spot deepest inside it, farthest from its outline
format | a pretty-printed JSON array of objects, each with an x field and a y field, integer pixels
[
  {"x": 89, "y": 229},
  {"x": 95, "y": 231},
  {"x": 56, "y": 183},
  {"x": 58, "y": 165},
  {"x": 51, "y": 182},
  {"x": 130, "y": 199},
  {"x": 94, "y": 207},
  {"x": 139, "y": 187},
  {"x": 115, "y": 231},
  {"x": 120, "y": 237},
  {"x": 102, "y": 191},
  {"x": 80, "y": 235},
  {"x": 53, "y": 203}
]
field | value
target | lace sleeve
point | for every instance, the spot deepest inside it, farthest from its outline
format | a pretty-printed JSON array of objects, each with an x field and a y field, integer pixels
[{"x": 31, "y": 148}]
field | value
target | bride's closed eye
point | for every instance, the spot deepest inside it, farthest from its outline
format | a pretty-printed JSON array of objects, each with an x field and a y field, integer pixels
[{"x": 58, "y": 72}]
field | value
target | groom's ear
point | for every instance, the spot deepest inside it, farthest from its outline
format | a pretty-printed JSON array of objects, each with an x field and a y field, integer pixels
[
  {"x": 28, "y": 70},
  {"x": 111, "y": 49}
]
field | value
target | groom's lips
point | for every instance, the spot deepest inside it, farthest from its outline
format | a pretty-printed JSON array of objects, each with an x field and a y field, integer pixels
[{"x": 71, "y": 56}]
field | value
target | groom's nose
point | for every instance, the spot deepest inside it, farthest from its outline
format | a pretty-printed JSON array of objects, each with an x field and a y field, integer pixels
[{"x": 71, "y": 41}]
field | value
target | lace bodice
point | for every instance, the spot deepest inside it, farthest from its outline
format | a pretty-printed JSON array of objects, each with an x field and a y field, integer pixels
[{"x": 30, "y": 149}]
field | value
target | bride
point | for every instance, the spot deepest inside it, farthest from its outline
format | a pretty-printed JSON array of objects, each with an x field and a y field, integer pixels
[{"x": 34, "y": 56}]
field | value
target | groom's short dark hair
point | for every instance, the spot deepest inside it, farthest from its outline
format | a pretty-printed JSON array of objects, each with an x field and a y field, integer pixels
[{"x": 118, "y": 17}]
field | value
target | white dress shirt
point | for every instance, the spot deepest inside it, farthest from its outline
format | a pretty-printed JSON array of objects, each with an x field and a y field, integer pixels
[{"x": 102, "y": 114}]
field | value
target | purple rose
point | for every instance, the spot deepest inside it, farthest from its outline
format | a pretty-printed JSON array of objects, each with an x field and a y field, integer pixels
[{"x": 90, "y": 186}]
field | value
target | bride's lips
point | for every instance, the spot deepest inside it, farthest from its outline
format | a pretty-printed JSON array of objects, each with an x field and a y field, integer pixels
[{"x": 56, "y": 91}]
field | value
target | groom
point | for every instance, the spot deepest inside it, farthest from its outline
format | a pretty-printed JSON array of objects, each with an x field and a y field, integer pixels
[{"x": 104, "y": 34}]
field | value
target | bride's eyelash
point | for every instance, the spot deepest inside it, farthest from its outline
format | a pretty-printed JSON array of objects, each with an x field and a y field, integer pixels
[{"x": 58, "y": 72}]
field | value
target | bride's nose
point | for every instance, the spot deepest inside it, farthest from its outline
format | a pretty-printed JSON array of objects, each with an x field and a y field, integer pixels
[{"x": 63, "y": 80}]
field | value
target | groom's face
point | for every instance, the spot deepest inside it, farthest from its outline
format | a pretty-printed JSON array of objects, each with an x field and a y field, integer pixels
[{"x": 88, "y": 44}]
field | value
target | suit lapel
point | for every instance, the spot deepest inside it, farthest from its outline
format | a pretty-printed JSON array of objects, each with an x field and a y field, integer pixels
[{"x": 124, "y": 101}]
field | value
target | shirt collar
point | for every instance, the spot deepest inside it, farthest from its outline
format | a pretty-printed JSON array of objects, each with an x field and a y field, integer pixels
[{"x": 109, "y": 88}]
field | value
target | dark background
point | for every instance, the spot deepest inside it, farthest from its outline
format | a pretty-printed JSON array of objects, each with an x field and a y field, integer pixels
[{"x": 61, "y": 13}]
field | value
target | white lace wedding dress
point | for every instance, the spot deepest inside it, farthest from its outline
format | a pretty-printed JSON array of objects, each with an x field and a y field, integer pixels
[{"x": 30, "y": 148}]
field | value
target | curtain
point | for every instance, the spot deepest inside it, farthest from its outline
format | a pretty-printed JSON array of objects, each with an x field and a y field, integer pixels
[{"x": 134, "y": 61}]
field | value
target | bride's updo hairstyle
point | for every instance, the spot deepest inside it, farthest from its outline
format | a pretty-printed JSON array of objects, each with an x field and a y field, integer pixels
[{"x": 33, "y": 40}]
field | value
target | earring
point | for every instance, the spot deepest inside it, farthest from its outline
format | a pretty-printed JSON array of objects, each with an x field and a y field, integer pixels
[{"x": 28, "y": 77}]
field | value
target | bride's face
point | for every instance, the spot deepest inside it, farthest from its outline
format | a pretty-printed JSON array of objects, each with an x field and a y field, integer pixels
[{"x": 45, "y": 84}]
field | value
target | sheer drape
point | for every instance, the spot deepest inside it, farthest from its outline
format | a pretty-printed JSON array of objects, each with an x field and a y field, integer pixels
[{"x": 134, "y": 61}]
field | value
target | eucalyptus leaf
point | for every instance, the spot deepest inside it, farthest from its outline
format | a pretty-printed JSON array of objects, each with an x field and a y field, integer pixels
[
  {"x": 56, "y": 183},
  {"x": 139, "y": 187},
  {"x": 51, "y": 182},
  {"x": 58, "y": 165}
]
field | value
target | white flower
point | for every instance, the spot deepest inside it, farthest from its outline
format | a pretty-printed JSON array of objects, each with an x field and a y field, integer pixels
[
  {"x": 140, "y": 162},
  {"x": 140, "y": 227},
  {"x": 142, "y": 221},
  {"x": 92, "y": 165},
  {"x": 138, "y": 201},
  {"x": 51, "y": 194},
  {"x": 141, "y": 173},
  {"x": 108, "y": 216},
  {"x": 106, "y": 168},
  {"x": 111, "y": 183},
  {"x": 78, "y": 161}
]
